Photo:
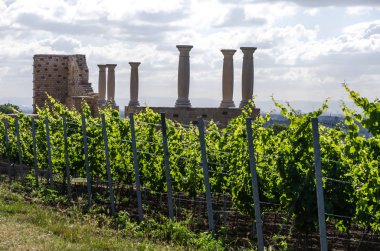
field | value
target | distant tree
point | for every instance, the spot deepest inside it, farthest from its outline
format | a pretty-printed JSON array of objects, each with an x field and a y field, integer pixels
[
  {"x": 278, "y": 127},
  {"x": 9, "y": 108}
]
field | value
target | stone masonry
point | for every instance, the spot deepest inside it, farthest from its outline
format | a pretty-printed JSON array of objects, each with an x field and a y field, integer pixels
[
  {"x": 187, "y": 115},
  {"x": 65, "y": 78}
]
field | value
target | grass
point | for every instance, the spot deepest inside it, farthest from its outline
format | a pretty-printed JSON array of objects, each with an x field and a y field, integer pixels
[{"x": 30, "y": 226}]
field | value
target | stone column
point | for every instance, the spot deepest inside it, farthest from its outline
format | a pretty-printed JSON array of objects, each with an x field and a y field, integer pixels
[
  {"x": 134, "y": 84},
  {"x": 247, "y": 75},
  {"x": 111, "y": 83},
  {"x": 102, "y": 84},
  {"x": 228, "y": 79},
  {"x": 183, "y": 76}
]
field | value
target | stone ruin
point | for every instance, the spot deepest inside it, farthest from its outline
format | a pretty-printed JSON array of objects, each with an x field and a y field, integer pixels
[
  {"x": 183, "y": 112},
  {"x": 65, "y": 78}
]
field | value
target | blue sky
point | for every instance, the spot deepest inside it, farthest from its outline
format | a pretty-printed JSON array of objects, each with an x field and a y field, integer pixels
[{"x": 306, "y": 48}]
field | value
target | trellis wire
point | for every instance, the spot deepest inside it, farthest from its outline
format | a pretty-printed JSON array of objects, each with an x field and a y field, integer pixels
[{"x": 166, "y": 158}]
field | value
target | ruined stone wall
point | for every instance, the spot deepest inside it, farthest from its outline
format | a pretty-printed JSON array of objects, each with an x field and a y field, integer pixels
[
  {"x": 77, "y": 75},
  {"x": 65, "y": 78},
  {"x": 49, "y": 76},
  {"x": 188, "y": 115}
]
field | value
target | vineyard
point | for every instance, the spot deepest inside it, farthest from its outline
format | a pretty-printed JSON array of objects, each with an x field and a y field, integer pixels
[{"x": 152, "y": 167}]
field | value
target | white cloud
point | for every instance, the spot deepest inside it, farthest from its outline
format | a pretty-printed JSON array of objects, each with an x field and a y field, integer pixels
[
  {"x": 64, "y": 44},
  {"x": 324, "y": 3},
  {"x": 295, "y": 58},
  {"x": 311, "y": 12},
  {"x": 363, "y": 29},
  {"x": 358, "y": 10},
  {"x": 120, "y": 9},
  {"x": 4, "y": 70},
  {"x": 271, "y": 12}
]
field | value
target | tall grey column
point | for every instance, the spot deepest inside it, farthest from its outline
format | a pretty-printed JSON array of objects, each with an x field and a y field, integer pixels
[
  {"x": 228, "y": 79},
  {"x": 183, "y": 76},
  {"x": 111, "y": 83},
  {"x": 247, "y": 75},
  {"x": 134, "y": 84},
  {"x": 102, "y": 83}
]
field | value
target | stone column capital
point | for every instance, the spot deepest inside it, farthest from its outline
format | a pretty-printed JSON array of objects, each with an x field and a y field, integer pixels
[
  {"x": 111, "y": 66},
  {"x": 102, "y": 67},
  {"x": 248, "y": 51},
  {"x": 228, "y": 52},
  {"x": 134, "y": 64},
  {"x": 184, "y": 49}
]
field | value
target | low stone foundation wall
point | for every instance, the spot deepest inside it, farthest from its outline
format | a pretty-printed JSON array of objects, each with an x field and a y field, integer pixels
[{"x": 187, "y": 115}]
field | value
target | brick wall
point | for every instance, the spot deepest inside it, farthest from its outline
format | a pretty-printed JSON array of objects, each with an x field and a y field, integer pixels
[{"x": 65, "y": 78}]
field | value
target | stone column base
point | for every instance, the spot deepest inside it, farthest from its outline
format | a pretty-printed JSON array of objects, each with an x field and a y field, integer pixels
[
  {"x": 112, "y": 102},
  {"x": 102, "y": 102},
  {"x": 182, "y": 103},
  {"x": 133, "y": 103},
  {"x": 243, "y": 103},
  {"x": 227, "y": 104}
]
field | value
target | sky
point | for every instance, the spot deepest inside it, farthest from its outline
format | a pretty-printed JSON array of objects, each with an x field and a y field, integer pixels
[{"x": 306, "y": 48}]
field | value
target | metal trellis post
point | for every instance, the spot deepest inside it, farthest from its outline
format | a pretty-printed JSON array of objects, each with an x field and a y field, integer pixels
[
  {"x": 319, "y": 184},
  {"x": 67, "y": 162},
  {"x": 50, "y": 168},
  {"x": 87, "y": 165},
  {"x": 167, "y": 168},
  {"x": 35, "y": 151},
  {"x": 5, "y": 121},
  {"x": 255, "y": 186},
  {"x": 19, "y": 151},
  {"x": 108, "y": 166},
  {"x": 136, "y": 167},
  {"x": 210, "y": 213}
]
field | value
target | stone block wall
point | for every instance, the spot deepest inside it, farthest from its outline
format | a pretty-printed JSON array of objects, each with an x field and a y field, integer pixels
[
  {"x": 188, "y": 115},
  {"x": 65, "y": 78}
]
